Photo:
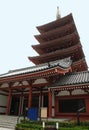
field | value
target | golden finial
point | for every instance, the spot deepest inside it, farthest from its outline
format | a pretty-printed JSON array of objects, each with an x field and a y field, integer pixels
[{"x": 58, "y": 16}]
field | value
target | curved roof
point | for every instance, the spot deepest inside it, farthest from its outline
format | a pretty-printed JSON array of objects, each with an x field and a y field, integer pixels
[
  {"x": 57, "y": 43},
  {"x": 72, "y": 79},
  {"x": 55, "y": 24},
  {"x": 58, "y": 54},
  {"x": 56, "y": 33},
  {"x": 63, "y": 64}
]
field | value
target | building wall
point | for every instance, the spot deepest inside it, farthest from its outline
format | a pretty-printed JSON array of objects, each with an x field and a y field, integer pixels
[
  {"x": 3, "y": 102},
  {"x": 83, "y": 115}
]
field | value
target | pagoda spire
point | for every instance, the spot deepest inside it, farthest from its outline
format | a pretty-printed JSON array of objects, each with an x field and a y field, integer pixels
[{"x": 58, "y": 16}]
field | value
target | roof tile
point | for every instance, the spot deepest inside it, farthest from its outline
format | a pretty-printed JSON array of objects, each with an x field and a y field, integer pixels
[{"x": 72, "y": 79}]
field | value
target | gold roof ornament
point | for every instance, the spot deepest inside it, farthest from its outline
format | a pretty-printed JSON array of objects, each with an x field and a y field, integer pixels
[{"x": 58, "y": 16}]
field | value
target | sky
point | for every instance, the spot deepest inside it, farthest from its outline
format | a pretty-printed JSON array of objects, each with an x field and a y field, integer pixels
[{"x": 18, "y": 22}]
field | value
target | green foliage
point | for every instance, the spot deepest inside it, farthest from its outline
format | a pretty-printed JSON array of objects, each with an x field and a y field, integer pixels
[
  {"x": 28, "y": 125},
  {"x": 74, "y": 128},
  {"x": 36, "y": 125}
]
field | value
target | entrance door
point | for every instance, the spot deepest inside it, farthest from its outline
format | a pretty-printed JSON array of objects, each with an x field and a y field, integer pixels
[{"x": 15, "y": 106}]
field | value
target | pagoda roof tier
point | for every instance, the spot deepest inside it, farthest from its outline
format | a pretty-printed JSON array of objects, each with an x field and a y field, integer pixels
[
  {"x": 55, "y": 24},
  {"x": 56, "y": 33},
  {"x": 42, "y": 70},
  {"x": 80, "y": 65},
  {"x": 75, "y": 52},
  {"x": 58, "y": 43}
]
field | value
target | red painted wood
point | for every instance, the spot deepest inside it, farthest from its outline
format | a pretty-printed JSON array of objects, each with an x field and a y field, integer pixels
[
  {"x": 8, "y": 102},
  {"x": 49, "y": 104},
  {"x": 30, "y": 97},
  {"x": 87, "y": 105}
]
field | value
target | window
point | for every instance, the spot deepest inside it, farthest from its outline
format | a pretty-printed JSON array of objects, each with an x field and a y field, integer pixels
[
  {"x": 35, "y": 101},
  {"x": 71, "y": 106}
]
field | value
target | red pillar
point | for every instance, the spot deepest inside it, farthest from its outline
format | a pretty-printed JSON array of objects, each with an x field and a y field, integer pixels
[
  {"x": 8, "y": 102},
  {"x": 30, "y": 97},
  {"x": 87, "y": 105},
  {"x": 49, "y": 103},
  {"x": 21, "y": 105}
]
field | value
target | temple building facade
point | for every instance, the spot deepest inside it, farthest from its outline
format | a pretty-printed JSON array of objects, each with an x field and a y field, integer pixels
[{"x": 59, "y": 80}]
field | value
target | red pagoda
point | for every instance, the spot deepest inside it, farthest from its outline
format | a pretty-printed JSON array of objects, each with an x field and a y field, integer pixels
[{"x": 59, "y": 79}]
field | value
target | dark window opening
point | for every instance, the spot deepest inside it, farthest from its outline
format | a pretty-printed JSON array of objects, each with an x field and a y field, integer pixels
[
  {"x": 14, "y": 110},
  {"x": 71, "y": 106},
  {"x": 25, "y": 104},
  {"x": 45, "y": 101},
  {"x": 35, "y": 101}
]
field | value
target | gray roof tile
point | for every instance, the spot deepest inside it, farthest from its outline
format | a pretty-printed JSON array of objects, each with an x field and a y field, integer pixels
[
  {"x": 72, "y": 79},
  {"x": 64, "y": 63}
]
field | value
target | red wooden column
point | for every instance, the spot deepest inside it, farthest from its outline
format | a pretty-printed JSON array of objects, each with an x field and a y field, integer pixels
[
  {"x": 87, "y": 105},
  {"x": 8, "y": 102},
  {"x": 30, "y": 97},
  {"x": 21, "y": 105},
  {"x": 49, "y": 103}
]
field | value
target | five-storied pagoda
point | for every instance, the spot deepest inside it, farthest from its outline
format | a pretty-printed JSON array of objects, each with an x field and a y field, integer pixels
[{"x": 59, "y": 80}]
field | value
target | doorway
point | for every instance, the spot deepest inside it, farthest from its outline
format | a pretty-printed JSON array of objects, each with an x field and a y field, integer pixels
[
  {"x": 35, "y": 102},
  {"x": 25, "y": 105},
  {"x": 14, "y": 110}
]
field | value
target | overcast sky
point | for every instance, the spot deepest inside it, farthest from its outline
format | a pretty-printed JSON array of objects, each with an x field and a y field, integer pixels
[{"x": 18, "y": 21}]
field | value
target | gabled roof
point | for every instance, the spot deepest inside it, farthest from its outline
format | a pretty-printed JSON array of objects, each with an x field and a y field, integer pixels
[
  {"x": 64, "y": 64},
  {"x": 72, "y": 79}
]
